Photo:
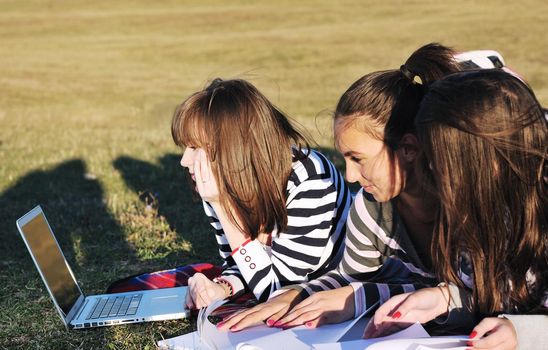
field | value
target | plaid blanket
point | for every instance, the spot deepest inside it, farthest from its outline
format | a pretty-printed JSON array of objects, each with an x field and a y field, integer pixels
[{"x": 163, "y": 279}]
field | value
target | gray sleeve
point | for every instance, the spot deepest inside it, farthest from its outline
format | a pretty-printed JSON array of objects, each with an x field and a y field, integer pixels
[{"x": 531, "y": 331}]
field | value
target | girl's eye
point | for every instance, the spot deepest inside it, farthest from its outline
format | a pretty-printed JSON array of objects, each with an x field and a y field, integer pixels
[{"x": 354, "y": 159}]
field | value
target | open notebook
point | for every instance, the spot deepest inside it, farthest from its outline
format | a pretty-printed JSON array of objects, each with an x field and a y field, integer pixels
[{"x": 346, "y": 335}]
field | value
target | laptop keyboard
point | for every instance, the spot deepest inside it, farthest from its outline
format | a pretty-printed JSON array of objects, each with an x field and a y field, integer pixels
[{"x": 115, "y": 306}]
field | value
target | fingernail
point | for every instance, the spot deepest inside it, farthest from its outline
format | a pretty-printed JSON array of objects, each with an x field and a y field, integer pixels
[
  {"x": 220, "y": 324},
  {"x": 270, "y": 323},
  {"x": 278, "y": 324},
  {"x": 396, "y": 315},
  {"x": 308, "y": 324},
  {"x": 473, "y": 334},
  {"x": 234, "y": 329},
  {"x": 469, "y": 343}
]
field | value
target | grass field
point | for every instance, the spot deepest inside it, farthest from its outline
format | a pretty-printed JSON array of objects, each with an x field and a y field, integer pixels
[{"x": 87, "y": 89}]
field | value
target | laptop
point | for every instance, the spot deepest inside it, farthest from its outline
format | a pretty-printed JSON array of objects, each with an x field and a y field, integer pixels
[{"x": 79, "y": 311}]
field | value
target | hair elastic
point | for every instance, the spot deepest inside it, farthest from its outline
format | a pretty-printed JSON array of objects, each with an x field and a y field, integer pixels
[{"x": 414, "y": 78}]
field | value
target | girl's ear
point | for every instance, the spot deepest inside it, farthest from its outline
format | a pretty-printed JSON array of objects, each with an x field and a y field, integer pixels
[{"x": 409, "y": 147}]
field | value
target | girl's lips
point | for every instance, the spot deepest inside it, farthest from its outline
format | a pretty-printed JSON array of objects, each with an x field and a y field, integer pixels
[{"x": 368, "y": 189}]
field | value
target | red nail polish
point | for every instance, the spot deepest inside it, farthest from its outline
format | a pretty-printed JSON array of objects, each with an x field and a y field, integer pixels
[
  {"x": 233, "y": 329},
  {"x": 473, "y": 335},
  {"x": 220, "y": 324},
  {"x": 308, "y": 324},
  {"x": 270, "y": 323},
  {"x": 469, "y": 343},
  {"x": 278, "y": 324},
  {"x": 396, "y": 315}
]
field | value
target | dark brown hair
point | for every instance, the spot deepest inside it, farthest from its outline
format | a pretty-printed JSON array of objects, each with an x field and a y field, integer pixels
[
  {"x": 485, "y": 139},
  {"x": 248, "y": 141},
  {"x": 388, "y": 100}
]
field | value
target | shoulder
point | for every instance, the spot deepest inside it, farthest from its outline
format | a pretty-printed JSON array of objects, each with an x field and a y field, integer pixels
[
  {"x": 369, "y": 218},
  {"x": 366, "y": 207},
  {"x": 309, "y": 164}
]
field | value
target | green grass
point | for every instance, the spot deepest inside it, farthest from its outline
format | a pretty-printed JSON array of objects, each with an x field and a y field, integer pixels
[{"x": 86, "y": 95}]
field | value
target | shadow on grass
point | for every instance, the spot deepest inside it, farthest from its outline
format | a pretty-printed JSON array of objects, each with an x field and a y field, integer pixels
[
  {"x": 166, "y": 187},
  {"x": 89, "y": 236},
  {"x": 74, "y": 205}
]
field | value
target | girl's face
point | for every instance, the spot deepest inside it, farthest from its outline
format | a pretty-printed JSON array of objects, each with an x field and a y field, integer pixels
[{"x": 368, "y": 162}]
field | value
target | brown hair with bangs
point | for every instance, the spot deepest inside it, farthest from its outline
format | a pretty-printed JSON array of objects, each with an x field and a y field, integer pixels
[
  {"x": 248, "y": 141},
  {"x": 485, "y": 137}
]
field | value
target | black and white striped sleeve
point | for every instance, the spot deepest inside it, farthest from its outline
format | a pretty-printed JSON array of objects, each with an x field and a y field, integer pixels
[
  {"x": 374, "y": 263},
  {"x": 317, "y": 205}
]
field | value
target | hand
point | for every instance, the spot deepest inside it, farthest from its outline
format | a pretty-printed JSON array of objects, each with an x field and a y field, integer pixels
[
  {"x": 405, "y": 309},
  {"x": 271, "y": 310},
  {"x": 201, "y": 292},
  {"x": 206, "y": 184},
  {"x": 497, "y": 333},
  {"x": 331, "y": 306}
]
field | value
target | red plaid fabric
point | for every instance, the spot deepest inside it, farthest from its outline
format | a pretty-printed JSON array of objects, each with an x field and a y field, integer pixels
[{"x": 163, "y": 279}]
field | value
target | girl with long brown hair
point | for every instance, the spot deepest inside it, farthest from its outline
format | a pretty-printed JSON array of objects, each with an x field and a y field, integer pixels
[
  {"x": 485, "y": 145},
  {"x": 278, "y": 208},
  {"x": 390, "y": 224}
]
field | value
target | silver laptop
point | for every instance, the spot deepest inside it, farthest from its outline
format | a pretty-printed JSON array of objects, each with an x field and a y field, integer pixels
[{"x": 80, "y": 311}]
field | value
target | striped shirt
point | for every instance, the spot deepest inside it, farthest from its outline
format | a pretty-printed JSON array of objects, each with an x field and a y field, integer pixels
[
  {"x": 379, "y": 260},
  {"x": 317, "y": 202}
]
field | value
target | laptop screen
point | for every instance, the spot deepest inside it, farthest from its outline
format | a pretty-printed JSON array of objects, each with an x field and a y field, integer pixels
[{"x": 51, "y": 262}]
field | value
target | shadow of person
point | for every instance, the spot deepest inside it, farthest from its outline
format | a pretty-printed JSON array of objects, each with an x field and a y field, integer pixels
[
  {"x": 73, "y": 202},
  {"x": 167, "y": 188}
]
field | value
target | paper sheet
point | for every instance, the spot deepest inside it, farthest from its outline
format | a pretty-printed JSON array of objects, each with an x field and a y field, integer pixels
[{"x": 414, "y": 331}]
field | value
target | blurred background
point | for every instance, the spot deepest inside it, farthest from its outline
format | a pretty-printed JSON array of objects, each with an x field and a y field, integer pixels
[{"x": 88, "y": 88}]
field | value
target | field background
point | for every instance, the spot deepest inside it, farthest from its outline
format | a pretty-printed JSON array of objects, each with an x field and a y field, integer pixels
[{"x": 87, "y": 90}]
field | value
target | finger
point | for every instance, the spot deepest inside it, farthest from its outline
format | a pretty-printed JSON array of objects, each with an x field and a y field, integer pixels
[
  {"x": 249, "y": 320},
  {"x": 369, "y": 330},
  {"x": 393, "y": 309},
  {"x": 492, "y": 341},
  {"x": 205, "y": 167},
  {"x": 189, "y": 303},
  {"x": 198, "y": 176},
  {"x": 303, "y": 318},
  {"x": 277, "y": 316},
  {"x": 315, "y": 323},
  {"x": 270, "y": 312},
  {"x": 203, "y": 298},
  {"x": 298, "y": 310},
  {"x": 230, "y": 321},
  {"x": 486, "y": 325}
]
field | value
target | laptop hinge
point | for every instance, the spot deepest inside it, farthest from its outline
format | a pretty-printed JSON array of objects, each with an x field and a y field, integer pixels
[{"x": 75, "y": 310}]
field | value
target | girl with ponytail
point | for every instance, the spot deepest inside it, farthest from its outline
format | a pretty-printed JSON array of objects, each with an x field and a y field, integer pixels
[{"x": 485, "y": 140}]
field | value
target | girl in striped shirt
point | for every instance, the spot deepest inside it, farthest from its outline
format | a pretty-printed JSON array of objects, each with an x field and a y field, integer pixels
[
  {"x": 277, "y": 207},
  {"x": 390, "y": 224}
]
